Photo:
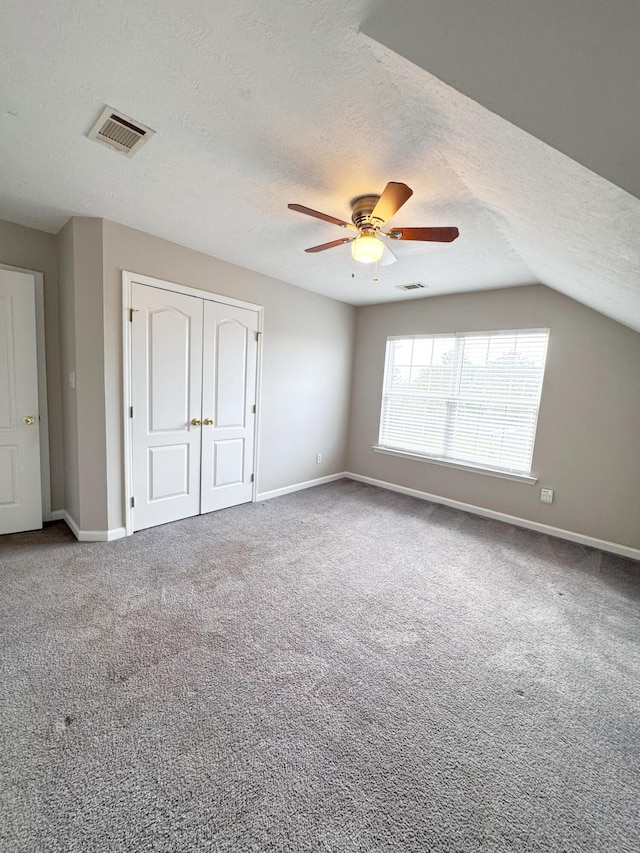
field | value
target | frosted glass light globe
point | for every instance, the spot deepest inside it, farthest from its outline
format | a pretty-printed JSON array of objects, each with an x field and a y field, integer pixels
[{"x": 367, "y": 249}]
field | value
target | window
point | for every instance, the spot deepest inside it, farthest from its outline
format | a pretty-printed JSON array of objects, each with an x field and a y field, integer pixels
[{"x": 468, "y": 398}]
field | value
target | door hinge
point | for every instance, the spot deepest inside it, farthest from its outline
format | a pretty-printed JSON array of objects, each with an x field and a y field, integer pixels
[
  {"x": 258, "y": 335},
  {"x": 252, "y": 477},
  {"x": 133, "y": 502},
  {"x": 132, "y": 311},
  {"x": 130, "y": 411},
  {"x": 254, "y": 408}
]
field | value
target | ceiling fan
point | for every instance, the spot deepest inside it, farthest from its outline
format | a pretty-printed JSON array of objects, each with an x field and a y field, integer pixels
[{"x": 369, "y": 214}]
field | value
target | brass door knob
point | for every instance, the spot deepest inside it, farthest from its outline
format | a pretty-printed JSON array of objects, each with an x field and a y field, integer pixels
[
  {"x": 207, "y": 422},
  {"x": 29, "y": 420},
  {"x": 195, "y": 422}
]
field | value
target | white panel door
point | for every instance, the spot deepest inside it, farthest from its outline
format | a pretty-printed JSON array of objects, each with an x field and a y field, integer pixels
[
  {"x": 20, "y": 485},
  {"x": 228, "y": 403},
  {"x": 166, "y": 392}
]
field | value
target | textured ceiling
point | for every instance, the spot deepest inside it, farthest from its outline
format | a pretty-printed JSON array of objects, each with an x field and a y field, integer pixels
[
  {"x": 566, "y": 72},
  {"x": 257, "y": 104}
]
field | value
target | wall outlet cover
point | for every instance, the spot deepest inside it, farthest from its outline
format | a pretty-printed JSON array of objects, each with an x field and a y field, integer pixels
[{"x": 546, "y": 496}]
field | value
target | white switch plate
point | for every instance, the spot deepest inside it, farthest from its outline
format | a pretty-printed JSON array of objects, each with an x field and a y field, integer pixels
[{"x": 546, "y": 496}]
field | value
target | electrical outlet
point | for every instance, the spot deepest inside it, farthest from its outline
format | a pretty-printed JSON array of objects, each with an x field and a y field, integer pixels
[
  {"x": 72, "y": 379},
  {"x": 546, "y": 496},
  {"x": 318, "y": 458}
]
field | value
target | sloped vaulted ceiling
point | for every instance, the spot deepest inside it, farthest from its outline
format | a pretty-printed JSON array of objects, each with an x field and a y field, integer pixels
[
  {"x": 568, "y": 73},
  {"x": 257, "y": 104}
]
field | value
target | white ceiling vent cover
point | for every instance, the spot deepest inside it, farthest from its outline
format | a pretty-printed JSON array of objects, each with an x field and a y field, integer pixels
[
  {"x": 120, "y": 132},
  {"x": 415, "y": 286}
]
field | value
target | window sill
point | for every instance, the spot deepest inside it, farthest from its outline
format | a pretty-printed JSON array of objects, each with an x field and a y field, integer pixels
[{"x": 476, "y": 469}]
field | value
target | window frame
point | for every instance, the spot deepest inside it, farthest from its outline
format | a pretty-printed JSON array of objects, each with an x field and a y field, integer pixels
[{"x": 452, "y": 398}]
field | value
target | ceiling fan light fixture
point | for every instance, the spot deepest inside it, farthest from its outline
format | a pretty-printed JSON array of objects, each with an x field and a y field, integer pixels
[
  {"x": 369, "y": 214},
  {"x": 367, "y": 249}
]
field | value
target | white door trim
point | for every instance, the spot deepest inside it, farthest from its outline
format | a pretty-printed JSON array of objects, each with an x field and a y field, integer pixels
[
  {"x": 45, "y": 468},
  {"x": 129, "y": 277},
  {"x": 127, "y": 280}
]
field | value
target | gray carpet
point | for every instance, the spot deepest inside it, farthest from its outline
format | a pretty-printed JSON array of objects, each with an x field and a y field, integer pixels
[{"x": 342, "y": 669}]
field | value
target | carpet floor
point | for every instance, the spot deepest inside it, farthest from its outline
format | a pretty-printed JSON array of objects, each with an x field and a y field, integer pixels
[{"x": 341, "y": 669}]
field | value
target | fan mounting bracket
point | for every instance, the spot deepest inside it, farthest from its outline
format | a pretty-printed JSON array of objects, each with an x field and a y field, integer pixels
[{"x": 361, "y": 208}]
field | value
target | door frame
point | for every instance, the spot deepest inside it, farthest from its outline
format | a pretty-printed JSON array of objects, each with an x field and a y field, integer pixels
[
  {"x": 45, "y": 465},
  {"x": 128, "y": 278}
]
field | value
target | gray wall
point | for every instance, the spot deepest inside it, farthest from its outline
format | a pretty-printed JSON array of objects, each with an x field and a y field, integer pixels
[
  {"x": 587, "y": 445},
  {"x": 306, "y": 370},
  {"x": 90, "y": 368},
  {"x": 34, "y": 250},
  {"x": 82, "y": 351},
  {"x": 67, "y": 313}
]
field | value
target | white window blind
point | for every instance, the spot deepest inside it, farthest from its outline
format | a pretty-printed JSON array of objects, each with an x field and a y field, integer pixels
[{"x": 470, "y": 398}]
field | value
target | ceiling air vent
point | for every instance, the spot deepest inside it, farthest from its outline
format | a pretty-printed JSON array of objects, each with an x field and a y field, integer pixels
[
  {"x": 415, "y": 286},
  {"x": 120, "y": 132}
]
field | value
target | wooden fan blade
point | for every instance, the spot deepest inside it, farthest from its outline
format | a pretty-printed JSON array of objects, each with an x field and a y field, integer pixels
[
  {"x": 427, "y": 235},
  {"x": 388, "y": 257},
  {"x": 391, "y": 200},
  {"x": 331, "y": 245},
  {"x": 300, "y": 208}
]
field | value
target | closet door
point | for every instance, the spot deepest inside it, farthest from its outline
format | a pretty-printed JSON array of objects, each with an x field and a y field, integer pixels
[
  {"x": 166, "y": 392},
  {"x": 228, "y": 404}
]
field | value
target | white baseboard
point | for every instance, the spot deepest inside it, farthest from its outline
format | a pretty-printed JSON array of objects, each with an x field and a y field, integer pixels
[
  {"x": 92, "y": 535},
  {"x": 308, "y": 484},
  {"x": 68, "y": 520},
  {"x": 580, "y": 538},
  {"x": 55, "y": 515},
  {"x": 116, "y": 533}
]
